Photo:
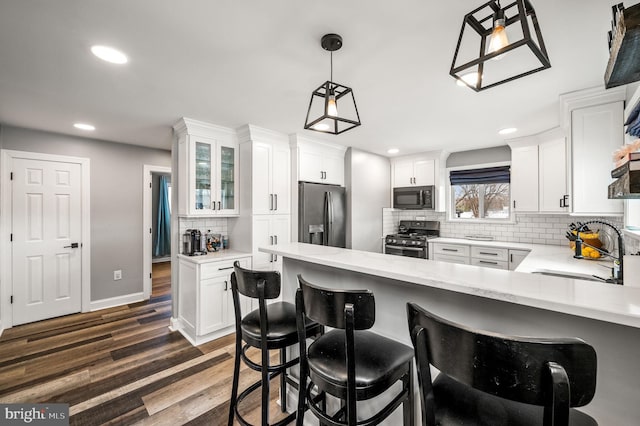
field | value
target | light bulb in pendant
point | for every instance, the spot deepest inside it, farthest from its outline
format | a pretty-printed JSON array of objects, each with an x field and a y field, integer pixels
[
  {"x": 332, "y": 107},
  {"x": 499, "y": 38}
]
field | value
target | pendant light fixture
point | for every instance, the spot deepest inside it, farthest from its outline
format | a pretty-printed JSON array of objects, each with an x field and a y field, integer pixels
[
  {"x": 332, "y": 104},
  {"x": 499, "y": 44}
]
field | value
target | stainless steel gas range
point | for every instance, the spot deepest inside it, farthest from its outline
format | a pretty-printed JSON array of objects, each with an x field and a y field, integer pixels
[{"x": 411, "y": 239}]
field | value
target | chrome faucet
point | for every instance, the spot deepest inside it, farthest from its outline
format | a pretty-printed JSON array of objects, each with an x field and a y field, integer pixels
[{"x": 616, "y": 278}]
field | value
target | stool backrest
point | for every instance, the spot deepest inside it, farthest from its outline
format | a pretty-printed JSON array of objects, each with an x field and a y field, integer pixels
[
  {"x": 247, "y": 282},
  {"x": 520, "y": 369},
  {"x": 327, "y": 306}
]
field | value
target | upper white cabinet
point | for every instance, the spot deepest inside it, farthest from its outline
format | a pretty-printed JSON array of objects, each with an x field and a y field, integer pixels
[
  {"x": 413, "y": 172},
  {"x": 524, "y": 178},
  {"x": 552, "y": 157},
  {"x": 266, "y": 170},
  {"x": 593, "y": 120},
  {"x": 539, "y": 173},
  {"x": 208, "y": 169},
  {"x": 318, "y": 161}
]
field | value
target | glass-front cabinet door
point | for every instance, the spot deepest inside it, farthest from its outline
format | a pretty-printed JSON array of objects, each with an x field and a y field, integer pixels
[
  {"x": 203, "y": 181},
  {"x": 227, "y": 178},
  {"x": 207, "y": 169}
]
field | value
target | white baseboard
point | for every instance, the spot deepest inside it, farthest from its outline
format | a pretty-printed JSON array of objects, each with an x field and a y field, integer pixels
[
  {"x": 161, "y": 259},
  {"x": 111, "y": 302},
  {"x": 174, "y": 324}
]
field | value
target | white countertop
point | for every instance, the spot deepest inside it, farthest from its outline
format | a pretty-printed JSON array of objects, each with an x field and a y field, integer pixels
[
  {"x": 543, "y": 257},
  {"x": 215, "y": 256},
  {"x": 606, "y": 302}
]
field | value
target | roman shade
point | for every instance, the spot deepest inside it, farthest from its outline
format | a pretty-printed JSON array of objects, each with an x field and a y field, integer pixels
[{"x": 500, "y": 174}]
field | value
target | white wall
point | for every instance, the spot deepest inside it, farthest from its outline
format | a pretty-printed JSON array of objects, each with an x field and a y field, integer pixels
[
  {"x": 368, "y": 186},
  {"x": 116, "y": 201}
]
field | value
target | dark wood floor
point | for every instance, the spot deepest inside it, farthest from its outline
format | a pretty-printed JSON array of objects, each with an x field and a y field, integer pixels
[{"x": 124, "y": 366}]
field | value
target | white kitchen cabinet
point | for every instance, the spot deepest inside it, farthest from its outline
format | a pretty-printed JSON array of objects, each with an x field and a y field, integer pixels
[
  {"x": 596, "y": 132},
  {"x": 208, "y": 169},
  {"x": 539, "y": 173},
  {"x": 266, "y": 170},
  {"x": 318, "y": 161},
  {"x": 413, "y": 172},
  {"x": 524, "y": 178},
  {"x": 515, "y": 257},
  {"x": 553, "y": 195},
  {"x": 267, "y": 231},
  {"x": 461, "y": 250},
  {"x": 205, "y": 300},
  {"x": 593, "y": 121}
]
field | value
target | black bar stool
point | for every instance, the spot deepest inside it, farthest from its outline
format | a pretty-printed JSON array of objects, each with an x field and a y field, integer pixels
[
  {"x": 349, "y": 362},
  {"x": 269, "y": 327},
  {"x": 493, "y": 379}
]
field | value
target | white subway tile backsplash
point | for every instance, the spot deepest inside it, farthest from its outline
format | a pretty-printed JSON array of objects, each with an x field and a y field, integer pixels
[{"x": 528, "y": 228}]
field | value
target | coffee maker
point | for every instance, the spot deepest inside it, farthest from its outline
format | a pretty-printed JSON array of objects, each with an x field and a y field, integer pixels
[{"x": 192, "y": 242}]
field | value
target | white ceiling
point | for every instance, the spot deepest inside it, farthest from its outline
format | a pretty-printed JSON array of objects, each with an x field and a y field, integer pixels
[{"x": 232, "y": 62}]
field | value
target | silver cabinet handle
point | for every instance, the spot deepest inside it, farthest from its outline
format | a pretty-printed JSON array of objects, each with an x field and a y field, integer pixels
[
  {"x": 270, "y": 201},
  {"x": 488, "y": 263},
  {"x": 222, "y": 269},
  {"x": 226, "y": 285},
  {"x": 489, "y": 254},
  {"x": 275, "y": 197},
  {"x": 448, "y": 249},
  {"x": 219, "y": 205},
  {"x": 270, "y": 240},
  {"x": 213, "y": 205}
]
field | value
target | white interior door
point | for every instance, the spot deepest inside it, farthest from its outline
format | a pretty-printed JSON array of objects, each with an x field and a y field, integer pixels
[{"x": 47, "y": 244}]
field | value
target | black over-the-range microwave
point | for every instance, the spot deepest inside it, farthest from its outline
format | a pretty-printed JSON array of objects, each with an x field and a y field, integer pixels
[{"x": 414, "y": 198}]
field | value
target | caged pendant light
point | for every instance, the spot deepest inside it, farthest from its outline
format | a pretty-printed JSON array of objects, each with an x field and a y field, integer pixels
[
  {"x": 332, "y": 104},
  {"x": 499, "y": 44}
]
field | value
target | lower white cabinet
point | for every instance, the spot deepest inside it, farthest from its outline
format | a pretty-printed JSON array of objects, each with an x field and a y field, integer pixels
[
  {"x": 515, "y": 257},
  {"x": 205, "y": 301},
  {"x": 487, "y": 257},
  {"x": 268, "y": 231},
  {"x": 490, "y": 257}
]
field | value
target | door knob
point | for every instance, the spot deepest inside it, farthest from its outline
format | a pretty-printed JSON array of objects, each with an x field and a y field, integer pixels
[{"x": 73, "y": 245}]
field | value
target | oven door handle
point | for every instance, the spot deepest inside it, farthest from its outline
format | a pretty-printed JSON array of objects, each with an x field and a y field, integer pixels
[{"x": 405, "y": 248}]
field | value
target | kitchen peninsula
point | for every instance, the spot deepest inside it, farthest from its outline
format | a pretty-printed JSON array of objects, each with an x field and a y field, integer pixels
[{"x": 606, "y": 316}]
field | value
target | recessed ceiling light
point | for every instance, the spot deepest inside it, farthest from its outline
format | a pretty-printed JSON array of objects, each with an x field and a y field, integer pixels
[
  {"x": 109, "y": 54},
  {"x": 84, "y": 126},
  {"x": 393, "y": 151},
  {"x": 507, "y": 131}
]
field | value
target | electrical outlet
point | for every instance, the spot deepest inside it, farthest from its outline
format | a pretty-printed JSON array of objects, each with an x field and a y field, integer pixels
[{"x": 117, "y": 275}]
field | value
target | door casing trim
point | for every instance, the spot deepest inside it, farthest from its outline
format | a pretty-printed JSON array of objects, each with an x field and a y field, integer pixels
[
  {"x": 6, "y": 260},
  {"x": 147, "y": 223}
]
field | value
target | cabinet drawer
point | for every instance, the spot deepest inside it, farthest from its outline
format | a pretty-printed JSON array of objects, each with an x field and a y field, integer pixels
[
  {"x": 451, "y": 249},
  {"x": 451, "y": 259},
  {"x": 485, "y": 263},
  {"x": 490, "y": 253},
  {"x": 223, "y": 267}
]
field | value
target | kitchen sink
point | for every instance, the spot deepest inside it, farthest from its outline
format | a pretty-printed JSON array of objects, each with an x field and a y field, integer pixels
[{"x": 570, "y": 275}]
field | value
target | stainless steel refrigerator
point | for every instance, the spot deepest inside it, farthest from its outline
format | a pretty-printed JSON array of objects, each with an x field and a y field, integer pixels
[{"x": 321, "y": 214}]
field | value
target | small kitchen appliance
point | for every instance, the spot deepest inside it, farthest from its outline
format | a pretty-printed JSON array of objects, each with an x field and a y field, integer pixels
[
  {"x": 412, "y": 238},
  {"x": 414, "y": 198},
  {"x": 192, "y": 243}
]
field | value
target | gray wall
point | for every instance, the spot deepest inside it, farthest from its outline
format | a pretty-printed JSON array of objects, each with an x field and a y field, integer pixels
[
  {"x": 368, "y": 189},
  {"x": 116, "y": 201}
]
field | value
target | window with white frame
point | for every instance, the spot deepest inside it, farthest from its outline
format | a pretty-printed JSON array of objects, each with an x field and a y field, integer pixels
[{"x": 480, "y": 194}]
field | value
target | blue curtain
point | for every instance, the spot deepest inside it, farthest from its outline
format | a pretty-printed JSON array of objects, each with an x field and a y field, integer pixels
[{"x": 163, "y": 230}]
